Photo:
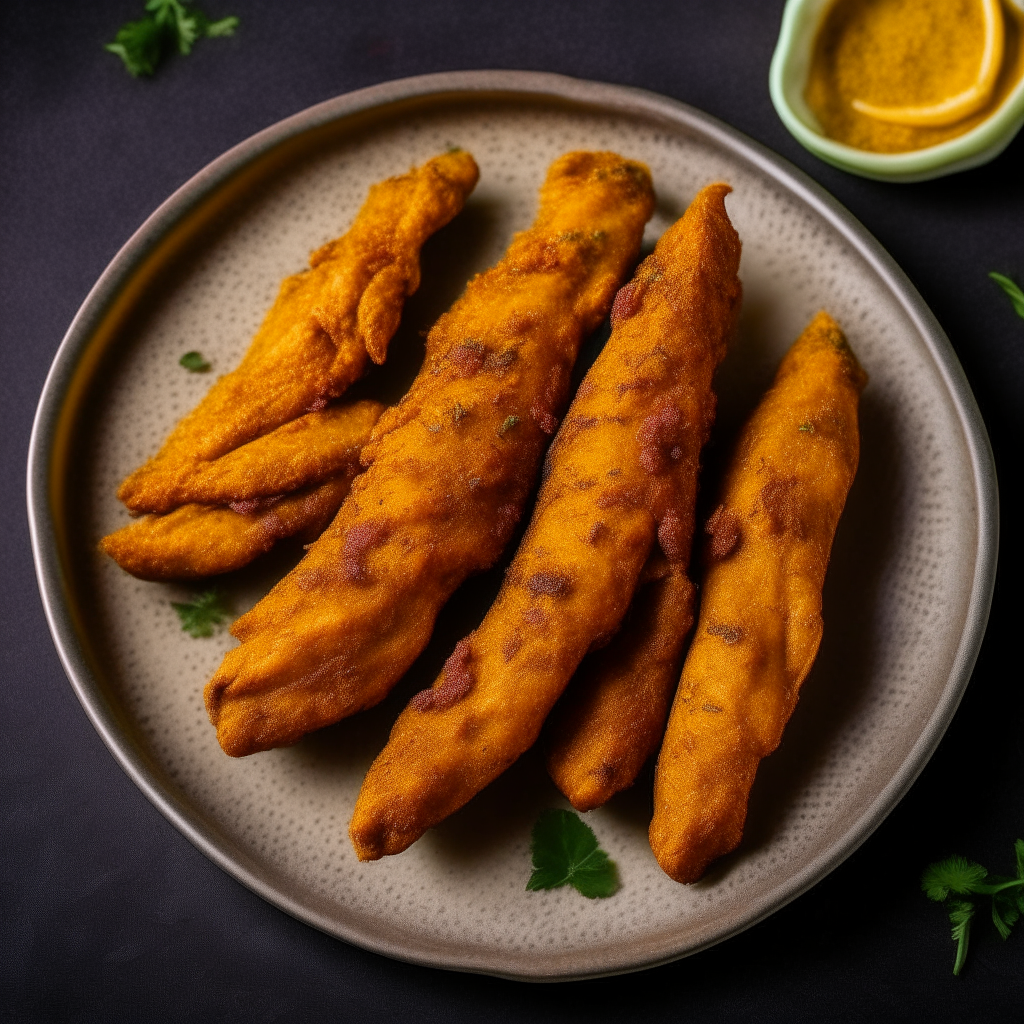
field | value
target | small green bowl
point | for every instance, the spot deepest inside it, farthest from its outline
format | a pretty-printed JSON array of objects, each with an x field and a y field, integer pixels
[{"x": 788, "y": 78}]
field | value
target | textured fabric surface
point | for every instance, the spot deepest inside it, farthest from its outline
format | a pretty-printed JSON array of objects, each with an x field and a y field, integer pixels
[{"x": 108, "y": 914}]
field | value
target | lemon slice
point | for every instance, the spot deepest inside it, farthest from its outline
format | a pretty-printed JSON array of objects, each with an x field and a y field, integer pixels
[{"x": 963, "y": 104}]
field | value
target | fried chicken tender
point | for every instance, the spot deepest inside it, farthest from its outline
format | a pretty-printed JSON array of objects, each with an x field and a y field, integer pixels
[
  {"x": 612, "y": 717},
  {"x": 327, "y": 324},
  {"x": 449, "y": 469},
  {"x": 296, "y": 455},
  {"x": 202, "y": 539},
  {"x": 760, "y": 617},
  {"x": 620, "y": 475}
]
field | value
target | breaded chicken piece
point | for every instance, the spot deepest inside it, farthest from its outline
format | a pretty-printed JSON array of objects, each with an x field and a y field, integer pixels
[
  {"x": 327, "y": 324},
  {"x": 303, "y": 471},
  {"x": 449, "y": 469},
  {"x": 612, "y": 717},
  {"x": 296, "y": 455},
  {"x": 203, "y": 540},
  {"x": 760, "y": 617},
  {"x": 621, "y": 474}
]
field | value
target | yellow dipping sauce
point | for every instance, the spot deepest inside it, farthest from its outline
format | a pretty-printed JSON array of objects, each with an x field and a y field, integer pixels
[{"x": 905, "y": 53}]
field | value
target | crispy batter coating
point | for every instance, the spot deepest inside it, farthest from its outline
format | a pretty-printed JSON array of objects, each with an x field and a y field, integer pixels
[
  {"x": 303, "y": 472},
  {"x": 294, "y": 456},
  {"x": 449, "y": 469},
  {"x": 327, "y": 324},
  {"x": 621, "y": 473},
  {"x": 202, "y": 540},
  {"x": 760, "y": 617},
  {"x": 612, "y": 717}
]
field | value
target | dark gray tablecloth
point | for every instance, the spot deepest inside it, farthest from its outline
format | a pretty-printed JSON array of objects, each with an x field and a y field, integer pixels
[{"x": 109, "y": 914}]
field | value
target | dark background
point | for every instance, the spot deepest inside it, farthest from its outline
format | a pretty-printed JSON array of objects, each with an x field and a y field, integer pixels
[{"x": 109, "y": 914}]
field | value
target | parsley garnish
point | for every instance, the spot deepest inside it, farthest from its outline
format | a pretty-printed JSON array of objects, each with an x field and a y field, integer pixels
[
  {"x": 194, "y": 362},
  {"x": 565, "y": 852},
  {"x": 806, "y": 428},
  {"x": 202, "y": 613},
  {"x": 168, "y": 25},
  {"x": 1012, "y": 289},
  {"x": 960, "y": 877},
  {"x": 510, "y": 422}
]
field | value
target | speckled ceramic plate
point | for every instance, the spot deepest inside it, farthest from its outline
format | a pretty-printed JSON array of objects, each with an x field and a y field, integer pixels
[{"x": 906, "y": 600}]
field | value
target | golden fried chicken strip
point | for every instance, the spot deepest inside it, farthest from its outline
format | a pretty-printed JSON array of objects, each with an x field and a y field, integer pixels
[
  {"x": 622, "y": 472},
  {"x": 450, "y": 469},
  {"x": 760, "y": 617},
  {"x": 296, "y": 455},
  {"x": 293, "y": 487},
  {"x": 202, "y": 540},
  {"x": 612, "y": 717},
  {"x": 327, "y": 324}
]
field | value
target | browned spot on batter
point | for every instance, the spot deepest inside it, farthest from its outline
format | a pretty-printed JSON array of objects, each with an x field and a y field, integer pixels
[
  {"x": 544, "y": 419},
  {"x": 468, "y": 357},
  {"x": 456, "y": 681},
  {"x": 660, "y": 435},
  {"x": 358, "y": 542},
  {"x": 505, "y": 520},
  {"x": 251, "y": 505},
  {"x": 624, "y": 496},
  {"x": 500, "y": 360},
  {"x": 317, "y": 404},
  {"x": 713, "y": 708},
  {"x": 582, "y": 422},
  {"x": 730, "y": 634},
  {"x": 673, "y": 536},
  {"x": 636, "y": 384},
  {"x": 627, "y": 302},
  {"x": 585, "y": 485},
  {"x": 780, "y": 504},
  {"x": 535, "y": 616},
  {"x": 724, "y": 529},
  {"x": 554, "y": 584},
  {"x": 510, "y": 646},
  {"x": 596, "y": 532}
]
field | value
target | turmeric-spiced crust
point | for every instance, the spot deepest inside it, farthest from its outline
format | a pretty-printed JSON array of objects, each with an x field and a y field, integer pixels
[
  {"x": 327, "y": 324},
  {"x": 621, "y": 473},
  {"x": 302, "y": 473},
  {"x": 760, "y": 617},
  {"x": 611, "y": 718},
  {"x": 449, "y": 469}
]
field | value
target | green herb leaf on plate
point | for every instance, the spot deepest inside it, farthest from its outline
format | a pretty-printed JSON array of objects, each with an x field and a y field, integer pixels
[
  {"x": 1012, "y": 290},
  {"x": 566, "y": 852},
  {"x": 200, "y": 615},
  {"x": 194, "y": 362}
]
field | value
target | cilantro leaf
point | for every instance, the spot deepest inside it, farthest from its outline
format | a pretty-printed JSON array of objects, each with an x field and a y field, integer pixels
[
  {"x": 202, "y": 613},
  {"x": 1012, "y": 289},
  {"x": 194, "y": 362},
  {"x": 565, "y": 852},
  {"x": 220, "y": 29},
  {"x": 139, "y": 45},
  {"x": 962, "y": 877},
  {"x": 955, "y": 874},
  {"x": 960, "y": 914},
  {"x": 168, "y": 24}
]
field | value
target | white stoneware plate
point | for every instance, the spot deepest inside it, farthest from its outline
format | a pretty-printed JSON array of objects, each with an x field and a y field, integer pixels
[{"x": 906, "y": 600}]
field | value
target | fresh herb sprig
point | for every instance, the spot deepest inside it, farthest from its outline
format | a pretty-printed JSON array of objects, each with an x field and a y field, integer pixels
[
  {"x": 566, "y": 852},
  {"x": 200, "y": 615},
  {"x": 958, "y": 877},
  {"x": 167, "y": 25},
  {"x": 1012, "y": 290},
  {"x": 194, "y": 362}
]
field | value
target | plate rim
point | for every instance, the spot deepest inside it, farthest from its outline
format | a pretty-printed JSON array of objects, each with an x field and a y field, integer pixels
[{"x": 530, "y": 86}]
